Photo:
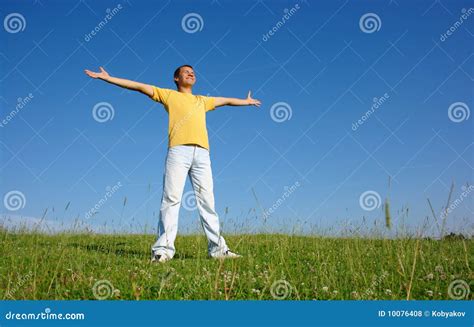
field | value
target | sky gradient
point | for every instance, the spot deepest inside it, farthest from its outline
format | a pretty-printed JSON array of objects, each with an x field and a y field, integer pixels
[{"x": 310, "y": 152}]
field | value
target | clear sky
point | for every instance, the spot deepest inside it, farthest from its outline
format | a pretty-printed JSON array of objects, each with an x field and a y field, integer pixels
[{"x": 302, "y": 162}]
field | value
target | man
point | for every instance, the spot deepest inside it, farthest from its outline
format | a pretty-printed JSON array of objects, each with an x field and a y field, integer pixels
[{"x": 188, "y": 154}]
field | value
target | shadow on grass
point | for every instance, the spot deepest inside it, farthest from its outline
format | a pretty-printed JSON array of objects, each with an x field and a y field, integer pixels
[{"x": 119, "y": 250}]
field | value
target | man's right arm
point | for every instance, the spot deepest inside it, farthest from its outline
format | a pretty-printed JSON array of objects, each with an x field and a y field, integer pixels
[{"x": 125, "y": 83}]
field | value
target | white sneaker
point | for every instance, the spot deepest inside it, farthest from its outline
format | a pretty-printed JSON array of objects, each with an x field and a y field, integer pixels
[
  {"x": 160, "y": 258},
  {"x": 227, "y": 255}
]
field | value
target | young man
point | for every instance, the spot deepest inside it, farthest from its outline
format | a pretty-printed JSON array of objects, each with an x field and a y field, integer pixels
[{"x": 188, "y": 154}]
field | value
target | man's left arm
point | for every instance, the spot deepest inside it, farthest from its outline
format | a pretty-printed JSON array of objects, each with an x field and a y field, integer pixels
[{"x": 249, "y": 101}]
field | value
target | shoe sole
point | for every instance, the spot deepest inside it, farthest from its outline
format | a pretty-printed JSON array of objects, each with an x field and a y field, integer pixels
[{"x": 222, "y": 258}]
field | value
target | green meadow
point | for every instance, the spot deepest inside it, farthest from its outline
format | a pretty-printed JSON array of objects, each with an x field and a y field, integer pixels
[{"x": 71, "y": 266}]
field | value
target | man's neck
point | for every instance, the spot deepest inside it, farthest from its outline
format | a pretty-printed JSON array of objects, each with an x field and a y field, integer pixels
[{"x": 185, "y": 89}]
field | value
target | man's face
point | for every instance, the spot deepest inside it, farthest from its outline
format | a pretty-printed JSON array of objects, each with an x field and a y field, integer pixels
[{"x": 186, "y": 77}]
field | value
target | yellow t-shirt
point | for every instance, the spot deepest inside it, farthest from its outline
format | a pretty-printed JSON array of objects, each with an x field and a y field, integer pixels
[{"x": 187, "y": 116}]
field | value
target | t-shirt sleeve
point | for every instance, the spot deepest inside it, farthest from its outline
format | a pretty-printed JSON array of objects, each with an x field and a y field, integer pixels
[
  {"x": 209, "y": 103},
  {"x": 160, "y": 95}
]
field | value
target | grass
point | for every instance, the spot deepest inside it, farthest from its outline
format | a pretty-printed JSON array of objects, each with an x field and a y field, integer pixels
[{"x": 92, "y": 266}]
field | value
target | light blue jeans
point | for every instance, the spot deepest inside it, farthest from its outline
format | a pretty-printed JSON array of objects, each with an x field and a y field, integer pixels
[{"x": 192, "y": 160}]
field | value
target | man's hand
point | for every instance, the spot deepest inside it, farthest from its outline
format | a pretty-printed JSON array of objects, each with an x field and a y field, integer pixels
[
  {"x": 101, "y": 75},
  {"x": 125, "y": 83},
  {"x": 249, "y": 101}
]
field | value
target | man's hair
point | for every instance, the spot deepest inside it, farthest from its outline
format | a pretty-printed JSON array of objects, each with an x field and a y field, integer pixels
[{"x": 176, "y": 72}]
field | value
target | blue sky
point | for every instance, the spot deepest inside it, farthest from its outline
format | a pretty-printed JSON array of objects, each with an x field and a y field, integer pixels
[{"x": 321, "y": 68}]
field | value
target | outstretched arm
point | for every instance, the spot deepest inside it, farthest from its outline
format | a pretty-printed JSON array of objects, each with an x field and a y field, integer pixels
[
  {"x": 125, "y": 83},
  {"x": 237, "y": 102}
]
